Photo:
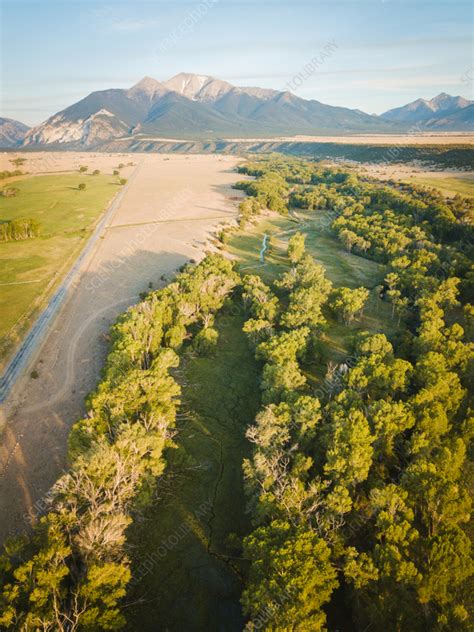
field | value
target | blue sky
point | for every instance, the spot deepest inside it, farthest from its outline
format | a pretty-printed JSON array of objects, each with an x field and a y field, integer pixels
[{"x": 384, "y": 53}]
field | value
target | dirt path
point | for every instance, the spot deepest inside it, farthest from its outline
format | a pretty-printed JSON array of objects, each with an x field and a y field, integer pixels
[{"x": 142, "y": 243}]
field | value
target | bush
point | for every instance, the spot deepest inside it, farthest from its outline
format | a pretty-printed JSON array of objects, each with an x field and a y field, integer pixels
[
  {"x": 206, "y": 340},
  {"x": 9, "y": 192}
]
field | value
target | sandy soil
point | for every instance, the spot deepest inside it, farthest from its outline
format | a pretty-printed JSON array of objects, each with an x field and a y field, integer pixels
[
  {"x": 428, "y": 138},
  {"x": 170, "y": 207}
]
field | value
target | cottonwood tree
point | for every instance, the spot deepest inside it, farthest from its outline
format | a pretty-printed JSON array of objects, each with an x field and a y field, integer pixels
[
  {"x": 347, "y": 303},
  {"x": 291, "y": 578}
]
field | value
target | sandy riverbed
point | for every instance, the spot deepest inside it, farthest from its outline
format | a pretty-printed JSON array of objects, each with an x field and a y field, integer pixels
[{"x": 171, "y": 207}]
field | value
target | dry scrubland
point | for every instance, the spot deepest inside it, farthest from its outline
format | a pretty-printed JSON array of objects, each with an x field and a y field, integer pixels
[
  {"x": 170, "y": 207},
  {"x": 59, "y": 162}
]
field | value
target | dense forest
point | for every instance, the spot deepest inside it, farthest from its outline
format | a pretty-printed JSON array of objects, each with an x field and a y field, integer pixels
[{"x": 358, "y": 484}]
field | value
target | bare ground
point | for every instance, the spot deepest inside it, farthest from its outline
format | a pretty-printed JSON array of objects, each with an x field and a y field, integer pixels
[{"x": 171, "y": 206}]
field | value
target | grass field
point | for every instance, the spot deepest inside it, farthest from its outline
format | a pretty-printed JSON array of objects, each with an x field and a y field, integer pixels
[
  {"x": 342, "y": 268},
  {"x": 30, "y": 269},
  {"x": 194, "y": 583},
  {"x": 448, "y": 185}
]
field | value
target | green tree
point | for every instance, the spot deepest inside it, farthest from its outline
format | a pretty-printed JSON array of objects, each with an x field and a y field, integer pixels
[
  {"x": 349, "y": 446},
  {"x": 347, "y": 303},
  {"x": 296, "y": 248},
  {"x": 291, "y": 578}
]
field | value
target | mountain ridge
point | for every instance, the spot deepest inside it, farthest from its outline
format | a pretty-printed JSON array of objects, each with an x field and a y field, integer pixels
[
  {"x": 193, "y": 106},
  {"x": 11, "y": 132},
  {"x": 441, "y": 111}
]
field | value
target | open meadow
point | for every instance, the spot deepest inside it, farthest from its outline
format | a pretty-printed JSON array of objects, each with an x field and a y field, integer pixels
[
  {"x": 449, "y": 181},
  {"x": 30, "y": 269},
  {"x": 342, "y": 268}
]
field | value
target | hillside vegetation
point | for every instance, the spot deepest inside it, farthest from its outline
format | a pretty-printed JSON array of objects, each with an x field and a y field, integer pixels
[{"x": 291, "y": 429}]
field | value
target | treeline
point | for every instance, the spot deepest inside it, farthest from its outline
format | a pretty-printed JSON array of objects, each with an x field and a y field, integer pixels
[
  {"x": 19, "y": 229},
  {"x": 360, "y": 486},
  {"x": 74, "y": 572},
  {"x": 10, "y": 174},
  {"x": 446, "y": 156}
]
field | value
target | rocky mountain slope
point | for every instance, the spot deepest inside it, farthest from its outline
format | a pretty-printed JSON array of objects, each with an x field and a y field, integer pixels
[
  {"x": 199, "y": 107},
  {"x": 443, "y": 112},
  {"x": 11, "y": 132},
  {"x": 196, "y": 107}
]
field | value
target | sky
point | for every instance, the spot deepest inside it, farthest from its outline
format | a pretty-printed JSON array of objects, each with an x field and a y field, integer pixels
[{"x": 367, "y": 54}]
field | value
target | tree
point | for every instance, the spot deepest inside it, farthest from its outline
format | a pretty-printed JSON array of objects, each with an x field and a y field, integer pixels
[
  {"x": 81, "y": 186},
  {"x": 206, "y": 340},
  {"x": 291, "y": 578},
  {"x": 9, "y": 192},
  {"x": 261, "y": 300},
  {"x": 348, "y": 238},
  {"x": 284, "y": 347},
  {"x": 95, "y": 172},
  {"x": 83, "y": 168},
  {"x": 347, "y": 303},
  {"x": 296, "y": 248},
  {"x": 349, "y": 446},
  {"x": 305, "y": 308},
  {"x": 18, "y": 161},
  {"x": 307, "y": 273},
  {"x": 389, "y": 419},
  {"x": 123, "y": 181}
]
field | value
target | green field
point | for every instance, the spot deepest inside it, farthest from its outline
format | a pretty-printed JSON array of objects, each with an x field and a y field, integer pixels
[
  {"x": 30, "y": 269},
  {"x": 194, "y": 583},
  {"x": 448, "y": 185},
  {"x": 342, "y": 268}
]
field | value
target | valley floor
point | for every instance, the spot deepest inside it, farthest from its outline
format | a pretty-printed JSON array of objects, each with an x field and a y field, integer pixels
[
  {"x": 188, "y": 574},
  {"x": 165, "y": 218}
]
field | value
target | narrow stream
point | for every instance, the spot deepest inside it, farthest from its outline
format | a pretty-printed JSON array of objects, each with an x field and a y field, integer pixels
[{"x": 264, "y": 248}]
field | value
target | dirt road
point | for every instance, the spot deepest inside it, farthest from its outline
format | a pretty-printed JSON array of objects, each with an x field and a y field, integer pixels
[{"x": 164, "y": 220}]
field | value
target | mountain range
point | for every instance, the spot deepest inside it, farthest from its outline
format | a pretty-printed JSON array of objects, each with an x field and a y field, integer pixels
[
  {"x": 190, "y": 106},
  {"x": 11, "y": 132},
  {"x": 441, "y": 112}
]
